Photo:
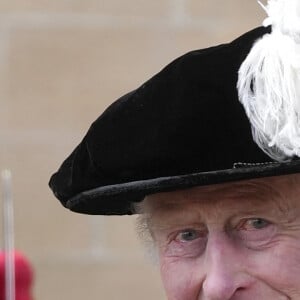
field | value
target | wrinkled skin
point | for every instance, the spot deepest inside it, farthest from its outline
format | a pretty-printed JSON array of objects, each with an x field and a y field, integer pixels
[{"x": 230, "y": 241}]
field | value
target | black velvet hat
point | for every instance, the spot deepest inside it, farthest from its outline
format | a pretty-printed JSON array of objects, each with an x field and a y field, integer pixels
[{"x": 184, "y": 127}]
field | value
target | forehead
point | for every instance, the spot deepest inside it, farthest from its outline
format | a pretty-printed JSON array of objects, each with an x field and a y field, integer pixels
[{"x": 281, "y": 192}]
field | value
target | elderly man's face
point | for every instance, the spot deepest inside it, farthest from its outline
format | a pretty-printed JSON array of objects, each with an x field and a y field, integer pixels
[{"x": 230, "y": 241}]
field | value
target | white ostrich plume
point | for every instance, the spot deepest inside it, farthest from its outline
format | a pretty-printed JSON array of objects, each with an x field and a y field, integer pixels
[{"x": 269, "y": 82}]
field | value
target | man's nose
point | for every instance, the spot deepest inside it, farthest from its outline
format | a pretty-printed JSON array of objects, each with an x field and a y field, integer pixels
[{"x": 225, "y": 274}]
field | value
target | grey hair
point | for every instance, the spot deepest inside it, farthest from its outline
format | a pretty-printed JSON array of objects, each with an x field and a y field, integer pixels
[{"x": 144, "y": 232}]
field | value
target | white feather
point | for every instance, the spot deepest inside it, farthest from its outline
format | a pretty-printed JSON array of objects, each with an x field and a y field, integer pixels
[{"x": 269, "y": 82}]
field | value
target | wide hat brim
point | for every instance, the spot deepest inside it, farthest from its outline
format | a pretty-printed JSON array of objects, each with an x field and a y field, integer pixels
[
  {"x": 184, "y": 127},
  {"x": 119, "y": 199}
]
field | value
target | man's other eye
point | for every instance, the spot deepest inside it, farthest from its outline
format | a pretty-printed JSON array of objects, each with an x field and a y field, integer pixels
[
  {"x": 187, "y": 243},
  {"x": 188, "y": 235},
  {"x": 255, "y": 231},
  {"x": 253, "y": 224}
]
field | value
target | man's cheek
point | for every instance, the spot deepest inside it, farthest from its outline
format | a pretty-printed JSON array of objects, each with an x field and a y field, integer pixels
[
  {"x": 180, "y": 279},
  {"x": 279, "y": 266},
  {"x": 286, "y": 265}
]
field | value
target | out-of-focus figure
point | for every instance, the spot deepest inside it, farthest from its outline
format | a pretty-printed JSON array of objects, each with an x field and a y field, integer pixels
[{"x": 23, "y": 277}]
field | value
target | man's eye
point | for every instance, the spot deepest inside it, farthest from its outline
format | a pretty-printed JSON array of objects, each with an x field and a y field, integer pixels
[
  {"x": 253, "y": 224},
  {"x": 188, "y": 235},
  {"x": 255, "y": 232},
  {"x": 186, "y": 243}
]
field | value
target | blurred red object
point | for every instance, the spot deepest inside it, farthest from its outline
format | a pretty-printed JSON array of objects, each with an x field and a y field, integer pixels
[{"x": 23, "y": 277}]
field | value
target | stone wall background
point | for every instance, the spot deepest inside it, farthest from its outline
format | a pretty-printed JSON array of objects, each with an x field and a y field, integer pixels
[{"x": 61, "y": 63}]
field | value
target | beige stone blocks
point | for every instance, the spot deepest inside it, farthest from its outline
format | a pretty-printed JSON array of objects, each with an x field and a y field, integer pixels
[
  {"x": 224, "y": 10},
  {"x": 69, "y": 76},
  {"x": 106, "y": 7},
  {"x": 239, "y": 15}
]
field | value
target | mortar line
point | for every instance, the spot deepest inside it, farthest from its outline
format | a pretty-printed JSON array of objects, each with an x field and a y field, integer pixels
[{"x": 177, "y": 18}]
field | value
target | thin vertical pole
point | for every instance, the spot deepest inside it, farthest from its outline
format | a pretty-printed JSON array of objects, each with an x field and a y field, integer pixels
[{"x": 8, "y": 235}]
